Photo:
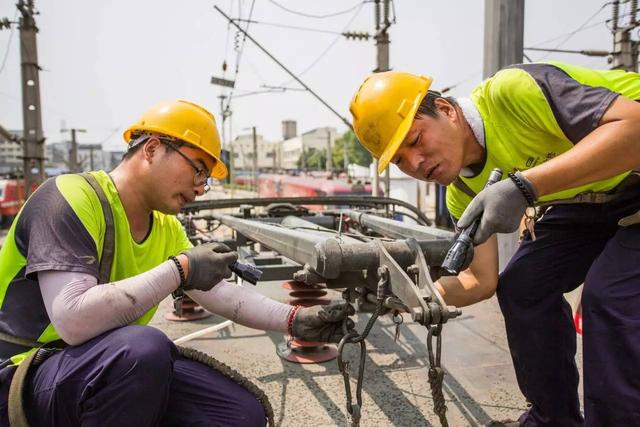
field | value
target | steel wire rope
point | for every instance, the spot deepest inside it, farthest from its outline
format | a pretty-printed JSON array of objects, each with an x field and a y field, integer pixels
[
  {"x": 595, "y": 24},
  {"x": 608, "y": 21},
  {"x": 6, "y": 53},
  {"x": 335, "y": 232},
  {"x": 308, "y": 15},
  {"x": 239, "y": 55},
  {"x": 328, "y": 48},
  {"x": 226, "y": 48},
  {"x": 572, "y": 33},
  {"x": 292, "y": 27}
]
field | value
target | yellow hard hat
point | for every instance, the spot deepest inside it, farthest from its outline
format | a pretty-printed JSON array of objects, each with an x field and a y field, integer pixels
[
  {"x": 383, "y": 109},
  {"x": 187, "y": 122}
]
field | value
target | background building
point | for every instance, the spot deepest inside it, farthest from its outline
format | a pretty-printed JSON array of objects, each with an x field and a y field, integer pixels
[{"x": 10, "y": 155}]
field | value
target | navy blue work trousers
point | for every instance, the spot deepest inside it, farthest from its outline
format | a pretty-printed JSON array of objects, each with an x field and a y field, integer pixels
[
  {"x": 131, "y": 376},
  {"x": 575, "y": 244}
]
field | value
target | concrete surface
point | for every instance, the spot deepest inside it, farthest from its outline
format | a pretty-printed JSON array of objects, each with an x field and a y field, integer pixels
[{"x": 479, "y": 386}]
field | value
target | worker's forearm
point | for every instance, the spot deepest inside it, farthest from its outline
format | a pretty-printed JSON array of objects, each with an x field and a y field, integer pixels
[
  {"x": 245, "y": 306},
  {"x": 80, "y": 309},
  {"x": 609, "y": 150},
  {"x": 464, "y": 289}
]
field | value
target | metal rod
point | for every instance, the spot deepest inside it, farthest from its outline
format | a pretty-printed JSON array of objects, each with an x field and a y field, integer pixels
[
  {"x": 358, "y": 201},
  {"x": 205, "y": 331},
  {"x": 294, "y": 222},
  {"x": 396, "y": 229},
  {"x": 294, "y": 244},
  {"x": 330, "y": 257}
]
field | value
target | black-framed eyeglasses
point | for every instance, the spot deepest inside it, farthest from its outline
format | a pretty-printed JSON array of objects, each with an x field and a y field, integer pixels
[{"x": 201, "y": 174}]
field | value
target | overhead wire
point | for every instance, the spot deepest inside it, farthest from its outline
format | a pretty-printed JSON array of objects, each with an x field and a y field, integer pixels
[
  {"x": 292, "y": 27},
  {"x": 308, "y": 15},
  {"x": 595, "y": 24},
  {"x": 6, "y": 53},
  {"x": 226, "y": 45},
  {"x": 571, "y": 34},
  {"x": 239, "y": 54},
  {"x": 329, "y": 47}
]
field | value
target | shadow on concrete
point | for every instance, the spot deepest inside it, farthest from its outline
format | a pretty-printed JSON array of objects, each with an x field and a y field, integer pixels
[{"x": 392, "y": 400}]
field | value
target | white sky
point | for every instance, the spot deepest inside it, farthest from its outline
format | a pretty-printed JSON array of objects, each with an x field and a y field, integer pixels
[{"x": 105, "y": 62}]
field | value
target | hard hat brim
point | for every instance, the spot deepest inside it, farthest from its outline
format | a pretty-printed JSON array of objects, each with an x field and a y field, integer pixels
[
  {"x": 401, "y": 133},
  {"x": 219, "y": 171}
]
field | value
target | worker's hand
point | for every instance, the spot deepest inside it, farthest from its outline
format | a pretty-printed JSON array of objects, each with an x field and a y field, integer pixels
[
  {"x": 500, "y": 208},
  {"x": 208, "y": 265},
  {"x": 322, "y": 323}
]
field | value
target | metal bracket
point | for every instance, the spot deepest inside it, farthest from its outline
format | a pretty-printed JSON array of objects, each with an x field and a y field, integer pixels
[
  {"x": 401, "y": 285},
  {"x": 439, "y": 311},
  {"x": 421, "y": 297}
]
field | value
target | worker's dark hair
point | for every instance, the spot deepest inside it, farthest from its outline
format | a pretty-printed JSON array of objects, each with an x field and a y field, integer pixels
[
  {"x": 428, "y": 105},
  {"x": 138, "y": 140}
]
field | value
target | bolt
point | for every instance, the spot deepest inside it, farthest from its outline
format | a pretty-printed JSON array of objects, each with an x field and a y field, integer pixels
[
  {"x": 413, "y": 269},
  {"x": 300, "y": 276},
  {"x": 416, "y": 315},
  {"x": 382, "y": 271},
  {"x": 453, "y": 311}
]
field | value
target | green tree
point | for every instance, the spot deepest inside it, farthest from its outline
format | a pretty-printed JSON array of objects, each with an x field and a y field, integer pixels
[
  {"x": 315, "y": 159},
  {"x": 357, "y": 153}
]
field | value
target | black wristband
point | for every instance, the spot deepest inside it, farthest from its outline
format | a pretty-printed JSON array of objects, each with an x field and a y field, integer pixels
[
  {"x": 528, "y": 196},
  {"x": 183, "y": 279}
]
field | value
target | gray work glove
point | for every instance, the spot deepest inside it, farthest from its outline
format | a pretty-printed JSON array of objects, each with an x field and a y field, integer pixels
[
  {"x": 322, "y": 323},
  {"x": 500, "y": 208},
  {"x": 208, "y": 265}
]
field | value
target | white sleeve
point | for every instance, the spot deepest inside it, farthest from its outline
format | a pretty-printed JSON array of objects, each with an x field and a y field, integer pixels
[
  {"x": 245, "y": 306},
  {"x": 80, "y": 309}
]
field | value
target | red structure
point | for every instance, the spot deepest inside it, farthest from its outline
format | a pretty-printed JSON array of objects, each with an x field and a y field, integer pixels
[
  {"x": 297, "y": 350},
  {"x": 12, "y": 197},
  {"x": 270, "y": 185}
]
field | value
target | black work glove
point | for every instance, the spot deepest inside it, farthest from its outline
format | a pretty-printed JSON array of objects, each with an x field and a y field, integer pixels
[
  {"x": 208, "y": 265},
  {"x": 500, "y": 208},
  {"x": 322, "y": 323}
]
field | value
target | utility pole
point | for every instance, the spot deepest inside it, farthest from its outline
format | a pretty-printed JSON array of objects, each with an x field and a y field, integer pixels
[
  {"x": 255, "y": 157},
  {"x": 345, "y": 155},
  {"x": 625, "y": 50},
  {"x": 503, "y": 34},
  {"x": 304, "y": 154},
  {"x": 382, "y": 46},
  {"x": 92, "y": 148},
  {"x": 503, "y": 45},
  {"x": 275, "y": 158},
  {"x": 33, "y": 148},
  {"x": 329, "y": 154},
  {"x": 74, "y": 167}
]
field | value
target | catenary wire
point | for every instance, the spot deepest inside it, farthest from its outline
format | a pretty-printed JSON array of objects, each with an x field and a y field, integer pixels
[
  {"x": 328, "y": 48},
  {"x": 6, "y": 53},
  {"x": 308, "y": 15},
  {"x": 571, "y": 34}
]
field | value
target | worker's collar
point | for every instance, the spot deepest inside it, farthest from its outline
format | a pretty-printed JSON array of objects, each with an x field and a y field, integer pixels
[{"x": 472, "y": 116}]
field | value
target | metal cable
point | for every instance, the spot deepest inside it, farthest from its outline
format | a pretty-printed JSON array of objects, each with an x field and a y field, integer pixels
[
  {"x": 308, "y": 15},
  {"x": 571, "y": 34},
  {"x": 239, "y": 56},
  {"x": 329, "y": 47},
  {"x": 6, "y": 53}
]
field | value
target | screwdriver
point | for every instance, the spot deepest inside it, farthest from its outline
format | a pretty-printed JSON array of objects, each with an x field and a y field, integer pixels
[{"x": 457, "y": 254}]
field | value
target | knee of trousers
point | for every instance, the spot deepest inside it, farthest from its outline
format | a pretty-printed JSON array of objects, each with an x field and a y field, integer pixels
[
  {"x": 513, "y": 288},
  {"x": 253, "y": 411},
  {"x": 144, "y": 347}
]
